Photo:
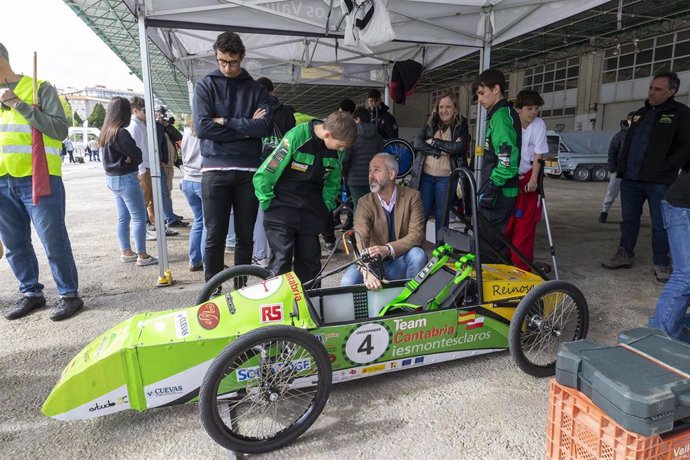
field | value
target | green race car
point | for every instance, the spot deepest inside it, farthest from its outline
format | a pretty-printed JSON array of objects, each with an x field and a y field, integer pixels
[{"x": 259, "y": 353}]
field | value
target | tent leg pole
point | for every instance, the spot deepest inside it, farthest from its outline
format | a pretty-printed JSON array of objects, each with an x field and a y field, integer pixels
[
  {"x": 484, "y": 63},
  {"x": 164, "y": 273}
]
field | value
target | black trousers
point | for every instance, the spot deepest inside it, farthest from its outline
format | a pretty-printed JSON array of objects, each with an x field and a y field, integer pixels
[
  {"x": 498, "y": 216},
  {"x": 287, "y": 242},
  {"x": 221, "y": 192}
]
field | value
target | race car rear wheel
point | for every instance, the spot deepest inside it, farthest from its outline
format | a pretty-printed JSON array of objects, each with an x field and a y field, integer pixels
[
  {"x": 287, "y": 380},
  {"x": 230, "y": 279},
  {"x": 550, "y": 314}
]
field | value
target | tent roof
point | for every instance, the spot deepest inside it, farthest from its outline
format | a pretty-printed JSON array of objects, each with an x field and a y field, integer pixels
[{"x": 290, "y": 43}]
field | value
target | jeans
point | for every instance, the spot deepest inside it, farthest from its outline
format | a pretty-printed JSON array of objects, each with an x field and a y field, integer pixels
[
  {"x": 260, "y": 240},
  {"x": 197, "y": 234},
  {"x": 129, "y": 200},
  {"x": 16, "y": 214},
  {"x": 222, "y": 191},
  {"x": 230, "y": 238},
  {"x": 673, "y": 302},
  {"x": 633, "y": 195},
  {"x": 357, "y": 192},
  {"x": 611, "y": 192},
  {"x": 433, "y": 191},
  {"x": 167, "y": 200},
  {"x": 404, "y": 267}
]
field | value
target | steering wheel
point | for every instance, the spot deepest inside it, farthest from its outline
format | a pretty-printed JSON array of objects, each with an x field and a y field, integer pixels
[{"x": 373, "y": 263}]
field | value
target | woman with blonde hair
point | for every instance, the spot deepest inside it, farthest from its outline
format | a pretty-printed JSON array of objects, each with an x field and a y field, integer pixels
[
  {"x": 441, "y": 146},
  {"x": 121, "y": 158}
]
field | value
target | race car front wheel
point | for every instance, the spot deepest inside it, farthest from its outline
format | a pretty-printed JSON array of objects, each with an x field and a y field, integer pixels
[
  {"x": 230, "y": 279},
  {"x": 265, "y": 389},
  {"x": 550, "y": 314}
]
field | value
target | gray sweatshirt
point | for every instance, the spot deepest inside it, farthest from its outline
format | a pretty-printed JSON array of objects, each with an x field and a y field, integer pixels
[{"x": 191, "y": 156}]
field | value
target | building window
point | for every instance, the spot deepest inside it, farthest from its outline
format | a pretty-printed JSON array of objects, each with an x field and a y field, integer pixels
[{"x": 647, "y": 58}]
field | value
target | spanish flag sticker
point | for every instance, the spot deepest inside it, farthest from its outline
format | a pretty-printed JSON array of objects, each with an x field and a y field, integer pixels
[{"x": 466, "y": 317}]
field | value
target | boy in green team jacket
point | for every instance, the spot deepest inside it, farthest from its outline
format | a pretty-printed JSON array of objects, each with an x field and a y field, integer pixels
[
  {"x": 498, "y": 189},
  {"x": 297, "y": 186}
]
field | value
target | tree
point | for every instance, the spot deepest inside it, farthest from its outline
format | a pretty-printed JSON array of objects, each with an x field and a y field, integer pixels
[
  {"x": 97, "y": 117},
  {"x": 68, "y": 110},
  {"x": 77, "y": 120}
]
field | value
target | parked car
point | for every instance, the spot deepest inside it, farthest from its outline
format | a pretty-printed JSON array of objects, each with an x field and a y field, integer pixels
[{"x": 579, "y": 155}]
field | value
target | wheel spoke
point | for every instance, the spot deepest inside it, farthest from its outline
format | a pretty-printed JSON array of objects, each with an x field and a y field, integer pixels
[
  {"x": 551, "y": 320},
  {"x": 269, "y": 404}
]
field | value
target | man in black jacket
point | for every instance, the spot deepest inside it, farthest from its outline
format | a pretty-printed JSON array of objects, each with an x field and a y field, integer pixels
[
  {"x": 656, "y": 146},
  {"x": 614, "y": 186},
  {"x": 231, "y": 114},
  {"x": 379, "y": 114},
  {"x": 357, "y": 157}
]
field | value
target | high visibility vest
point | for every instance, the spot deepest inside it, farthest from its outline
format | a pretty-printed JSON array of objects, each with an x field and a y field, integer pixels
[{"x": 15, "y": 139}]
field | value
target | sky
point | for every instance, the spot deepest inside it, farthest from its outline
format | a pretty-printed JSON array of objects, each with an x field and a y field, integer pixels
[{"x": 69, "y": 53}]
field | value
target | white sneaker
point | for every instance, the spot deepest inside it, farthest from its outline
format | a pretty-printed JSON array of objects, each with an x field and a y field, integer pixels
[
  {"x": 150, "y": 236},
  {"x": 263, "y": 263},
  {"x": 150, "y": 260}
]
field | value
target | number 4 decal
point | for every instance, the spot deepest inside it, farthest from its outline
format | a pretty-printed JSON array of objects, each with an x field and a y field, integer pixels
[
  {"x": 366, "y": 346},
  {"x": 367, "y": 343}
]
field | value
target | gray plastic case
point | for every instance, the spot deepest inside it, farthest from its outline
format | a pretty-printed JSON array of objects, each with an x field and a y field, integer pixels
[{"x": 643, "y": 383}]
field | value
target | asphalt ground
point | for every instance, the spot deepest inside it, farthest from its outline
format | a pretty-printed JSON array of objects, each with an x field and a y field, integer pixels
[{"x": 476, "y": 408}]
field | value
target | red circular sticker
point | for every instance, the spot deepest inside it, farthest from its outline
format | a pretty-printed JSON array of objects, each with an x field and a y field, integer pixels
[{"x": 208, "y": 316}]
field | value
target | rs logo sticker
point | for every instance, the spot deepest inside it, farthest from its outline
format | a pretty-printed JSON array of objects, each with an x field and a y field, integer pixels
[{"x": 271, "y": 313}]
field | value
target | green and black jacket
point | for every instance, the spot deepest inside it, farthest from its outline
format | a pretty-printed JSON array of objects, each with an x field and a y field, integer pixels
[
  {"x": 301, "y": 174},
  {"x": 502, "y": 148}
]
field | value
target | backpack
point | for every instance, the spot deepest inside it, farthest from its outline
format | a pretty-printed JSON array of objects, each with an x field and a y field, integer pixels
[{"x": 283, "y": 121}]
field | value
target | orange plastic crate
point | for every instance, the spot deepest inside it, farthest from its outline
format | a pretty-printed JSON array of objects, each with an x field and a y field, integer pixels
[{"x": 578, "y": 429}]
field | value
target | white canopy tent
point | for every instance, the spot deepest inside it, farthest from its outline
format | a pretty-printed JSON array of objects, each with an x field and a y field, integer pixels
[{"x": 301, "y": 42}]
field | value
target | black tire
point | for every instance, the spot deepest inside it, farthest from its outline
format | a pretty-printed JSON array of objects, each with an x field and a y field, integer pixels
[
  {"x": 535, "y": 335},
  {"x": 568, "y": 174},
  {"x": 403, "y": 152},
  {"x": 582, "y": 174},
  {"x": 270, "y": 402},
  {"x": 599, "y": 174},
  {"x": 230, "y": 279}
]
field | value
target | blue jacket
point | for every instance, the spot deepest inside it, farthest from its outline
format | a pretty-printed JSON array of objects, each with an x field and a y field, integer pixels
[{"x": 237, "y": 143}]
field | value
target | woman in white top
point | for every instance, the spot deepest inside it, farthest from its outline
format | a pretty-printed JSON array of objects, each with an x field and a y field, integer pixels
[{"x": 522, "y": 225}]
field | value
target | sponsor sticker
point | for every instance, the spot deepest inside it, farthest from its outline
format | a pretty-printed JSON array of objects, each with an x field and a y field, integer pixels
[
  {"x": 374, "y": 369},
  {"x": 181, "y": 325},
  {"x": 165, "y": 391},
  {"x": 271, "y": 313},
  {"x": 108, "y": 403},
  {"x": 208, "y": 316},
  {"x": 262, "y": 290},
  {"x": 299, "y": 166},
  {"x": 250, "y": 373}
]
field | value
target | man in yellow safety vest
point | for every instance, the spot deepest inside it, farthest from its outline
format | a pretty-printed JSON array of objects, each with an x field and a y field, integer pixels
[{"x": 17, "y": 211}]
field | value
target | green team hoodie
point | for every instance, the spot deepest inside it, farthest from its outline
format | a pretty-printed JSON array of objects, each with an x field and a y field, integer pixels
[
  {"x": 300, "y": 168},
  {"x": 502, "y": 148}
]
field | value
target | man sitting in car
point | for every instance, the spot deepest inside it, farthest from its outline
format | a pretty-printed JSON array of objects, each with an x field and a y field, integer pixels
[{"x": 389, "y": 222}]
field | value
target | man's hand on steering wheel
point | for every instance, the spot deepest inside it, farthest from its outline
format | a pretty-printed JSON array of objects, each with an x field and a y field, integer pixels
[{"x": 383, "y": 251}]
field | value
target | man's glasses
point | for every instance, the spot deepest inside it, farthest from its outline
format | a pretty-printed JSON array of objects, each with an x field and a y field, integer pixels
[{"x": 224, "y": 63}]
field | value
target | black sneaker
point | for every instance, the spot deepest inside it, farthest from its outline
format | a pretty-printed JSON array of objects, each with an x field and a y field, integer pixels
[
  {"x": 66, "y": 307},
  {"x": 603, "y": 215},
  {"x": 25, "y": 306},
  {"x": 177, "y": 223}
]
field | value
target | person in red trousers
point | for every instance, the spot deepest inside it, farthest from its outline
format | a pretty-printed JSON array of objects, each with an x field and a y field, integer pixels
[{"x": 522, "y": 225}]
